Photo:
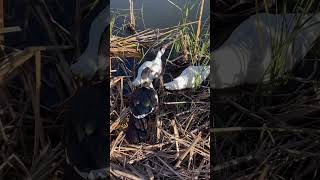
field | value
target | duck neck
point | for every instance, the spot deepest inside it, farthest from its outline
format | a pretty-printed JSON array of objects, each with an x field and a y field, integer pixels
[{"x": 159, "y": 55}]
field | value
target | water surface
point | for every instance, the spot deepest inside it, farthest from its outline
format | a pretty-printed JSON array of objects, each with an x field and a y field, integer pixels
[{"x": 160, "y": 13}]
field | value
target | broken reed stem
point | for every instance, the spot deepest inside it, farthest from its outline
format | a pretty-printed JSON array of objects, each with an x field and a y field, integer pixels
[
  {"x": 37, "y": 94},
  {"x": 293, "y": 130},
  {"x": 169, "y": 167},
  {"x": 184, "y": 45},
  {"x": 115, "y": 143},
  {"x": 116, "y": 122},
  {"x": 181, "y": 158},
  {"x": 121, "y": 172},
  {"x": 132, "y": 19},
  {"x": 77, "y": 28},
  {"x": 121, "y": 94},
  {"x": 159, "y": 125},
  {"x": 198, "y": 29},
  {"x": 8, "y": 161},
  {"x": 150, "y": 174},
  {"x": 3, "y": 133},
  {"x": 110, "y": 69},
  {"x": 176, "y": 136},
  {"x": 233, "y": 162},
  {"x": 135, "y": 171},
  {"x": 1, "y": 22}
]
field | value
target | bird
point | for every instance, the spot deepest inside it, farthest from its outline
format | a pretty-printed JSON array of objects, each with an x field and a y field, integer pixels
[
  {"x": 189, "y": 78},
  {"x": 154, "y": 71},
  {"x": 143, "y": 105},
  {"x": 85, "y": 136},
  {"x": 88, "y": 63},
  {"x": 244, "y": 58}
]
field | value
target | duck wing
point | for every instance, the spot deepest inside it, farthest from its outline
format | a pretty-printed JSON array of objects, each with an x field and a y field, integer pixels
[
  {"x": 143, "y": 102},
  {"x": 138, "y": 80}
]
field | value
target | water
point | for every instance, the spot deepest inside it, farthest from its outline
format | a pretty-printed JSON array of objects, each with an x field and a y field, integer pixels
[
  {"x": 160, "y": 13},
  {"x": 154, "y": 14}
]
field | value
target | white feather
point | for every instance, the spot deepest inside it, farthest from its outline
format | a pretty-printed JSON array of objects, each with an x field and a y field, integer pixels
[
  {"x": 189, "y": 78},
  {"x": 88, "y": 64},
  {"x": 156, "y": 69}
]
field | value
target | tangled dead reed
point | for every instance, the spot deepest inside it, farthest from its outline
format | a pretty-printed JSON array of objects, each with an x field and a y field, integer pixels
[
  {"x": 182, "y": 150},
  {"x": 130, "y": 46}
]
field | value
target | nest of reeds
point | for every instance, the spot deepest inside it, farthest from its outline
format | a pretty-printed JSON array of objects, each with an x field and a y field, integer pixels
[
  {"x": 131, "y": 46},
  {"x": 182, "y": 148},
  {"x": 275, "y": 139}
]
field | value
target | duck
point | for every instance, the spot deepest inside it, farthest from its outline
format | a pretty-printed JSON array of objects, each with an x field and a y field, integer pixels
[
  {"x": 143, "y": 104},
  {"x": 245, "y": 56},
  {"x": 154, "y": 70},
  {"x": 91, "y": 60},
  {"x": 189, "y": 78},
  {"x": 85, "y": 137}
]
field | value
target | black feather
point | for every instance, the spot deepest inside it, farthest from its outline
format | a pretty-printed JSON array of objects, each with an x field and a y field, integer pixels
[
  {"x": 85, "y": 123},
  {"x": 144, "y": 101}
]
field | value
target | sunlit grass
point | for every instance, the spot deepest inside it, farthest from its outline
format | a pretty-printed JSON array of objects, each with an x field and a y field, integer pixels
[
  {"x": 198, "y": 52},
  {"x": 277, "y": 70}
]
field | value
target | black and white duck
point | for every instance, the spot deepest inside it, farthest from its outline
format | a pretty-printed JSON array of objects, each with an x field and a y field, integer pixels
[
  {"x": 143, "y": 105},
  {"x": 155, "y": 70},
  {"x": 86, "y": 139}
]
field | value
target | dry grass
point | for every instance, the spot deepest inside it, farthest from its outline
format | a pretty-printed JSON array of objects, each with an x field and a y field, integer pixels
[
  {"x": 267, "y": 137},
  {"x": 268, "y": 133},
  {"x": 130, "y": 46},
  {"x": 182, "y": 150},
  {"x": 183, "y": 147}
]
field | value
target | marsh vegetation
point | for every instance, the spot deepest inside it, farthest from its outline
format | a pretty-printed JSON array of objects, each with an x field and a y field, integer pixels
[
  {"x": 181, "y": 149},
  {"x": 269, "y": 130}
]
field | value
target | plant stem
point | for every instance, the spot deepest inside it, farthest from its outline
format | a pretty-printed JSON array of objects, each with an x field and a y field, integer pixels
[{"x": 199, "y": 29}]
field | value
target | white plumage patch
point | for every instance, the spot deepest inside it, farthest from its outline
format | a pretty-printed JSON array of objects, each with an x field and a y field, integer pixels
[
  {"x": 88, "y": 64},
  {"x": 142, "y": 115},
  {"x": 189, "y": 78},
  {"x": 155, "y": 67}
]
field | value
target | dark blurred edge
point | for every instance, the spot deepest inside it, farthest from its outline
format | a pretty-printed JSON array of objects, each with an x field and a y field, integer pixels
[{"x": 108, "y": 91}]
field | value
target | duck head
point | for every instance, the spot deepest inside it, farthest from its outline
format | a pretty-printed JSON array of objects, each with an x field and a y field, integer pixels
[
  {"x": 146, "y": 77},
  {"x": 161, "y": 51}
]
